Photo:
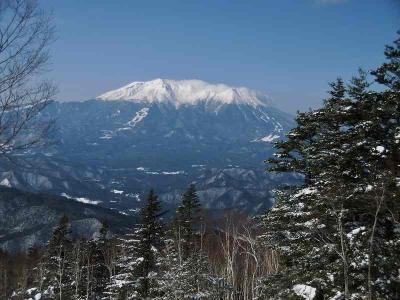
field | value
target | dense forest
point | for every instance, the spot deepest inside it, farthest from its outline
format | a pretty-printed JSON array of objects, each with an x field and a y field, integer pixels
[{"x": 194, "y": 256}]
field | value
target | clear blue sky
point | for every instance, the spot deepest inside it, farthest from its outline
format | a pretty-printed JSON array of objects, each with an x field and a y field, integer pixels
[{"x": 290, "y": 49}]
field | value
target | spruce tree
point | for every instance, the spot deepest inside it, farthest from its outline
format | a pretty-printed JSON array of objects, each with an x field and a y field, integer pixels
[
  {"x": 185, "y": 270},
  {"x": 187, "y": 221},
  {"x": 137, "y": 267},
  {"x": 337, "y": 233},
  {"x": 151, "y": 235},
  {"x": 57, "y": 264},
  {"x": 100, "y": 271}
]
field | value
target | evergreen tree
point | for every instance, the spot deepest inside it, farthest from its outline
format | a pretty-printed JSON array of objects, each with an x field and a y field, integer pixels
[
  {"x": 170, "y": 278},
  {"x": 151, "y": 235},
  {"x": 337, "y": 233},
  {"x": 185, "y": 271},
  {"x": 122, "y": 282},
  {"x": 187, "y": 221},
  {"x": 185, "y": 279},
  {"x": 101, "y": 274},
  {"x": 137, "y": 268},
  {"x": 388, "y": 74},
  {"x": 57, "y": 264}
]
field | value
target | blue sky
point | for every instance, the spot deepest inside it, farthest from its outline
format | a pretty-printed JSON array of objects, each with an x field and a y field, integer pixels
[{"x": 289, "y": 49}]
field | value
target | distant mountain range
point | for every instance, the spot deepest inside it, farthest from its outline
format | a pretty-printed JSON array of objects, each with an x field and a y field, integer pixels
[
  {"x": 160, "y": 134},
  {"x": 186, "y": 92},
  {"x": 28, "y": 219}
]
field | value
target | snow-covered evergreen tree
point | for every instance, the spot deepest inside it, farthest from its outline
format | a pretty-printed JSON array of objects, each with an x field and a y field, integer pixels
[
  {"x": 338, "y": 234},
  {"x": 189, "y": 278},
  {"x": 187, "y": 222},
  {"x": 100, "y": 271},
  {"x": 57, "y": 264},
  {"x": 136, "y": 272},
  {"x": 122, "y": 282},
  {"x": 185, "y": 271},
  {"x": 150, "y": 234},
  {"x": 91, "y": 275}
]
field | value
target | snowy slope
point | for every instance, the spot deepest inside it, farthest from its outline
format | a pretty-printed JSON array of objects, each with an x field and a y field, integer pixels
[
  {"x": 28, "y": 219},
  {"x": 186, "y": 92},
  {"x": 161, "y": 134}
]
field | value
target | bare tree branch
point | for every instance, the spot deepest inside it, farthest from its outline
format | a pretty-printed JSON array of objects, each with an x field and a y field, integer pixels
[{"x": 25, "y": 35}]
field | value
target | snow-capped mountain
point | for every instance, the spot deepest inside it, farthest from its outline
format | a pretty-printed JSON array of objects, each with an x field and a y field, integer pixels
[
  {"x": 186, "y": 92},
  {"x": 160, "y": 134}
]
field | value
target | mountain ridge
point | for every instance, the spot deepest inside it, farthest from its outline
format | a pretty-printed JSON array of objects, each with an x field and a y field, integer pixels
[
  {"x": 27, "y": 219},
  {"x": 186, "y": 92},
  {"x": 111, "y": 152}
]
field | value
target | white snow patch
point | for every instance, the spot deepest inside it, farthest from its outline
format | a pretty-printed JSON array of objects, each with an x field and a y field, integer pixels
[
  {"x": 139, "y": 116},
  {"x": 380, "y": 149},
  {"x": 117, "y": 192},
  {"x": 165, "y": 172},
  {"x": 397, "y": 136},
  {"x": 337, "y": 296},
  {"x": 305, "y": 191},
  {"x": 81, "y": 199},
  {"x": 173, "y": 173},
  {"x": 31, "y": 290},
  {"x": 124, "y": 128},
  {"x": 267, "y": 139},
  {"x": 270, "y": 138},
  {"x": 305, "y": 291},
  {"x": 186, "y": 92},
  {"x": 107, "y": 135},
  {"x": 354, "y": 232},
  {"x": 5, "y": 182}
]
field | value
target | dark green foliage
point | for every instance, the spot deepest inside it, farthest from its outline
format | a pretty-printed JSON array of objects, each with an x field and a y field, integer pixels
[
  {"x": 187, "y": 221},
  {"x": 185, "y": 271},
  {"x": 389, "y": 73},
  {"x": 339, "y": 232},
  {"x": 136, "y": 266},
  {"x": 150, "y": 234}
]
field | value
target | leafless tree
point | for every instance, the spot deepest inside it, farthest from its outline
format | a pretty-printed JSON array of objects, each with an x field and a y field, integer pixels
[
  {"x": 77, "y": 266},
  {"x": 25, "y": 36},
  {"x": 240, "y": 258}
]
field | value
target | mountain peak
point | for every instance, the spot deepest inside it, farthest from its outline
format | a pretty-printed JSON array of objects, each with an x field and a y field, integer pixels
[{"x": 186, "y": 92}]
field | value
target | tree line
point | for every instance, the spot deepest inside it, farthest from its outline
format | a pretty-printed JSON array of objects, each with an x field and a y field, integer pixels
[
  {"x": 191, "y": 256},
  {"x": 338, "y": 234}
]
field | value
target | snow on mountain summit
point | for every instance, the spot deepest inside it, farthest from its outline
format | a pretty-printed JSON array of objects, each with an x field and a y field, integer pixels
[{"x": 186, "y": 92}]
